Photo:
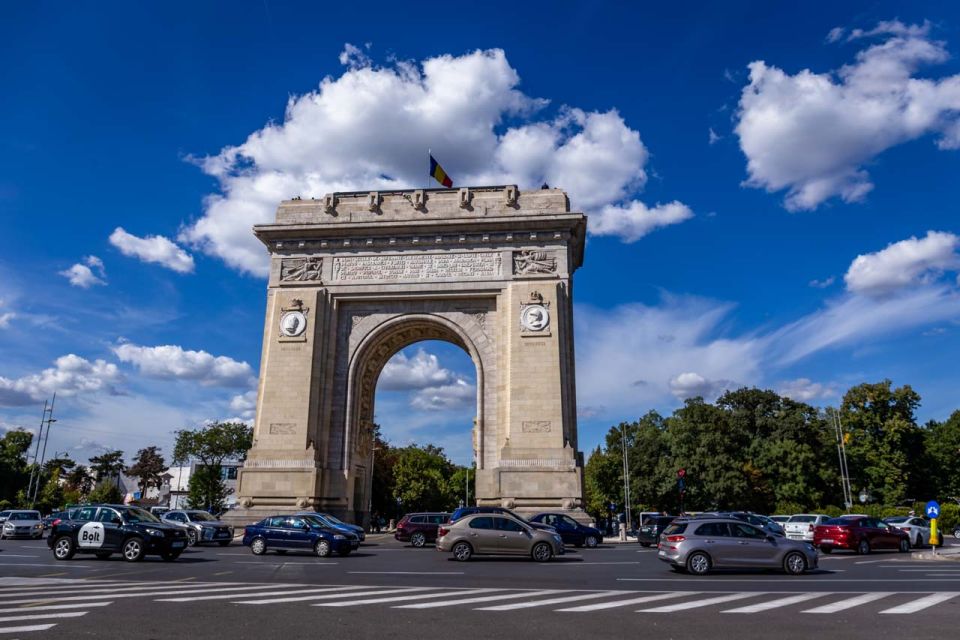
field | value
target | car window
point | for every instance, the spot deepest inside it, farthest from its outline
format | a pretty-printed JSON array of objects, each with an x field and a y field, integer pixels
[
  {"x": 505, "y": 524},
  {"x": 418, "y": 519},
  {"x": 24, "y": 515},
  {"x": 746, "y": 531},
  {"x": 4, "y": 514},
  {"x": 675, "y": 528},
  {"x": 177, "y": 517},
  {"x": 295, "y": 523},
  {"x": 482, "y": 522},
  {"x": 86, "y": 514},
  {"x": 110, "y": 516},
  {"x": 570, "y": 522},
  {"x": 712, "y": 529},
  {"x": 802, "y": 519},
  {"x": 200, "y": 516},
  {"x": 276, "y": 521},
  {"x": 438, "y": 519}
]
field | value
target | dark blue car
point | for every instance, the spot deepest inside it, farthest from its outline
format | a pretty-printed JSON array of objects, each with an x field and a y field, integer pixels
[
  {"x": 297, "y": 533},
  {"x": 570, "y": 530}
]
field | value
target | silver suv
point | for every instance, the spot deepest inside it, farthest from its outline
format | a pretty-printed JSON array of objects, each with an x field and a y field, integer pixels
[
  {"x": 200, "y": 526},
  {"x": 699, "y": 545}
]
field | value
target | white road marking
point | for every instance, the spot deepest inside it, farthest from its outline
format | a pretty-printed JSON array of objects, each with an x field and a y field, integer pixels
[
  {"x": 775, "y": 581},
  {"x": 451, "y": 603},
  {"x": 287, "y": 591},
  {"x": 694, "y": 604},
  {"x": 164, "y": 592},
  {"x": 779, "y": 602},
  {"x": 335, "y": 595},
  {"x": 850, "y": 603},
  {"x": 16, "y": 555},
  {"x": 624, "y": 603},
  {"x": 63, "y": 565},
  {"x": 43, "y": 616},
  {"x": 55, "y": 607},
  {"x": 541, "y": 603},
  {"x": 32, "y": 627},
  {"x": 130, "y": 587},
  {"x": 421, "y": 596},
  {"x": 922, "y": 603},
  {"x": 408, "y": 573}
]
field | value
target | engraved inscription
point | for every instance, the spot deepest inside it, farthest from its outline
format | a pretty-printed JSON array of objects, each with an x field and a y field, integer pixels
[
  {"x": 535, "y": 426},
  {"x": 283, "y": 428},
  {"x": 418, "y": 267}
]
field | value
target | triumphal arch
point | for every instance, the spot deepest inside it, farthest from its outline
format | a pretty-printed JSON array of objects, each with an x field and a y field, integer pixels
[{"x": 355, "y": 277}]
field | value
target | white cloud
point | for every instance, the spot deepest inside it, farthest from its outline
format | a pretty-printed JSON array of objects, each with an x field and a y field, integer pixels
[
  {"x": 82, "y": 275},
  {"x": 369, "y": 127},
  {"x": 823, "y": 284},
  {"x": 71, "y": 375},
  {"x": 423, "y": 370},
  {"x": 6, "y": 316},
  {"x": 245, "y": 404},
  {"x": 171, "y": 362},
  {"x": 812, "y": 134},
  {"x": 903, "y": 264},
  {"x": 457, "y": 395},
  {"x": 805, "y": 390},
  {"x": 635, "y": 220},
  {"x": 690, "y": 384},
  {"x": 713, "y": 136},
  {"x": 155, "y": 249}
]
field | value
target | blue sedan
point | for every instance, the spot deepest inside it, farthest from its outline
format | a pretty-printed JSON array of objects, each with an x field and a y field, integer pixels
[
  {"x": 336, "y": 523},
  {"x": 570, "y": 530},
  {"x": 297, "y": 533}
]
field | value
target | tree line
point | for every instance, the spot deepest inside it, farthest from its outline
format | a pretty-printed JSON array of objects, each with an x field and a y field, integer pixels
[
  {"x": 756, "y": 450},
  {"x": 62, "y": 481}
]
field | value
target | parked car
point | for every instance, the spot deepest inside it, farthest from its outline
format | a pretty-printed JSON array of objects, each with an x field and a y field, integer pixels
[
  {"x": 649, "y": 533},
  {"x": 419, "y": 528},
  {"x": 4, "y": 515},
  {"x": 106, "y": 529},
  {"x": 59, "y": 516},
  {"x": 467, "y": 511},
  {"x": 572, "y": 532},
  {"x": 298, "y": 533},
  {"x": 781, "y": 519},
  {"x": 801, "y": 525},
  {"x": 701, "y": 544},
  {"x": 755, "y": 519},
  {"x": 916, "y": 527},
  {"x": 159, "y": 511},
  {"x": 22, "y": 524},
  {"x": 862, "y": 534},
  {"x": 498, "y": 534},
  {"x": 336, "y": 523},
  {"x": 200, "y": 526}
]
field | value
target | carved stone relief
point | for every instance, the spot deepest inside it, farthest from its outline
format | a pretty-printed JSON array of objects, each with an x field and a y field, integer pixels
[
  {"x": 535, "y": 426},
  {"x": 528, "y": 262},
  {"x": 283, "y": 428},
  {"x": 300, "y": 269}
]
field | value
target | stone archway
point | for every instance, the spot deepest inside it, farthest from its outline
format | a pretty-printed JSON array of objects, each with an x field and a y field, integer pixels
[{"x": 357, "y": 277}]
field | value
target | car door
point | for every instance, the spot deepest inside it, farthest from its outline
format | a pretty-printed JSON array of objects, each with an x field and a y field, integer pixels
[
  {"x": 275, "y": 532},
  {"x": 574, "y": 533},
  {"x": 112, "y": 528},
  {"x": 513, "y": 537},
  {"x": 482, "y": 535},
  {"x": 436, "y": 520},
  {"x": 754, "y": 549},
  {"x": 297, "y": 533},
  {"x": 90, "y": 533},
  {"x": 716, "y": 540}
]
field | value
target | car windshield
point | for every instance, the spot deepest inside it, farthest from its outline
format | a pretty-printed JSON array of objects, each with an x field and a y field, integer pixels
[
  {"x": 25, "y": 515},
  {"x": 316, "y": 521},
  {"x": 201, "y": 515},
  {"x": 133, "y": 514},
  {"x": 330, "y": 518},
  {"x": 802, "y": 519},
  {"x": 842, "y": 521},
  {"x": 675, "y": 529}
]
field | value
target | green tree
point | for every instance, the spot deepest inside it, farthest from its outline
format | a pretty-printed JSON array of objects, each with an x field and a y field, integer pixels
[
  {"x": 79, "y": 481},
  {"x": 107, "y": 466},
  {"x": 206, "y": 489},
  {"x": 421, "y": 479},
  {"x": 942, "y": 444},
  {"x": 148, "y": 467},
  {"x": 62, "y": 464},
  {"x": 105, "y": 493},
  {"x": 602, "y": 482},
  {"x": 209, "y": 446},
  {"x": 51, "y": 497},
  {"x": 14, "y": 472}
]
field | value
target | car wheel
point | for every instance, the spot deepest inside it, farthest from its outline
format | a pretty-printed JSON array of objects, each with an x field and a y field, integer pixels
[
  {"x": 956, "y": 532},
  {"x": 418, "y": 539},
  {"x": 258, "y": 546},
  {"x": 170, "y": 556},
  {"x": 63, "y": 548},
  {"x": 462, "y": 551},
  {"x": 698, "y": 563},
  {"x": 191, "y": 537},
  {"x": 102, "y": 555},
  {"x": 541, "y": 552},
  {"x": 826, "y": 550},
  {"x": 645, "y": 545},
  {"x": 322, "y": 548},
  {"x": 904, "y": 545},
  {"x": 590, "y": 542},
  {"x": 864, "y": 547},
  {"x": 133, "y": 550},
  {"x": 794, "y": 563},
  {"x": 224, "y": 543}
]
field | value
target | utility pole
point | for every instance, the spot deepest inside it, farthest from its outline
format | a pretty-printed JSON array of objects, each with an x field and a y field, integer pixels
[
  {"x": 626, "y": 476},
  {"x": 466, "y": 487},
  {"x": 34, "y": 470},
  {"x": 49, "y": 420},
  {"x": 842, "y": 455}
]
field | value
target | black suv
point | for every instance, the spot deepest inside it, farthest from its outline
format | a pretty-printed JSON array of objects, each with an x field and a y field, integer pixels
[
  {"x": 106, "y": 529},
  {"x": 469, "y": 511},
  {"x": 650, "y": 530}
]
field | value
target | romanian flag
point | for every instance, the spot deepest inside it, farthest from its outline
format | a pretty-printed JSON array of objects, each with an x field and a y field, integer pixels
[{"x": 438, "y": 174}]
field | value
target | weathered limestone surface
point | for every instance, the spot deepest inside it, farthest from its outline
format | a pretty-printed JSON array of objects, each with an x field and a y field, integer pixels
[{"x": 354, "y": 278}]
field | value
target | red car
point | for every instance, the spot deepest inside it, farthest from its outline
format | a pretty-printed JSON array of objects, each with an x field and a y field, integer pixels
[
  {"x": 419, "y": 528},
  {"x": 862, "y": 534}
]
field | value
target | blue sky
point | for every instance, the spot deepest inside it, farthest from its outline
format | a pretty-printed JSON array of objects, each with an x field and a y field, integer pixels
[{"x": 762, "y": 183}]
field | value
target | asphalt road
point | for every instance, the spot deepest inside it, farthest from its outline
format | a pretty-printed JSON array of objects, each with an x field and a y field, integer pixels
[{"x": 387, "y": 589}]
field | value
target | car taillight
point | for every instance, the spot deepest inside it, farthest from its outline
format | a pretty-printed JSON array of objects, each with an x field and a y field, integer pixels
[
  {"x": 676, "y": 538},
  {"x": 442, "y": 531},
  {"x": 55, "y": 522}
]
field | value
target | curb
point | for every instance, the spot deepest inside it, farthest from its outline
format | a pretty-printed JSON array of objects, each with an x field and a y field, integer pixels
[{"x": 949, "y": 556}]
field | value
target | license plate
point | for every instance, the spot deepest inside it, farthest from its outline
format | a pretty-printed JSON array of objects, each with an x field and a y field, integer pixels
[
  {"x": 827, "y": 541},
  {"x": 223, "y": 535},
  {"x": 178, "y": 545}
]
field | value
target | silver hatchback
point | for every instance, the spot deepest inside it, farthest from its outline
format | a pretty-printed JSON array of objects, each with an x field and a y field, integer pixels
[{"x": 697, "y": 546}]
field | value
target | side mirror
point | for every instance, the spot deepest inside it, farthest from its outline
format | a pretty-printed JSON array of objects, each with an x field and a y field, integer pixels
[{"x": 771, "y": 538}]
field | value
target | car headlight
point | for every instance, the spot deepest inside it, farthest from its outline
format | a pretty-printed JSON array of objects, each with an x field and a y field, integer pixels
[
  {"x": 38, "y": 526},
  {"x": 339, "y": 537},
  {"x": 150, "y": 531}
]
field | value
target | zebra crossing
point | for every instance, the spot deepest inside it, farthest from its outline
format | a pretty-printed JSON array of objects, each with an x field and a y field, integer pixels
[{"x": 39, "y": 605}]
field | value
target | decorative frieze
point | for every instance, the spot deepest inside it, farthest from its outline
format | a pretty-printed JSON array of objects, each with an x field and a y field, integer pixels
[
  {"x": 535, "y": 426},
  {"x": 429, "y": 266},
  {"x": 529, "y": 262}
]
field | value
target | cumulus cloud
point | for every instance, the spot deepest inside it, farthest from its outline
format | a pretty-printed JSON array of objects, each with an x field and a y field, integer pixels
[
  {"x": 71, "y": 375},
  {"x": 457, "y": 395},
  {"x": 367, "y": 129},
  {"x": 806, "y": 390},
  {"x": 5, "y": 316},
  {"x": 155, "y": 249},
  {"x": 245, "y": 404},
  {"x": 690, "y": 385},
  {"x": 813, "y": 133},
  {"x": 903, "y": 264},
  {"x": 635, "y": 220},
  {"x": 402, "y": 373},
  {"x": 171, "y": 362},
  {"x": 82, "y": 274},
  {"x": 822, "y": 284}
]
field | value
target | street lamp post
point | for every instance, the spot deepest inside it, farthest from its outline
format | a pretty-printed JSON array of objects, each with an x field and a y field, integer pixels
[{"x": 626, "y": 476}]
